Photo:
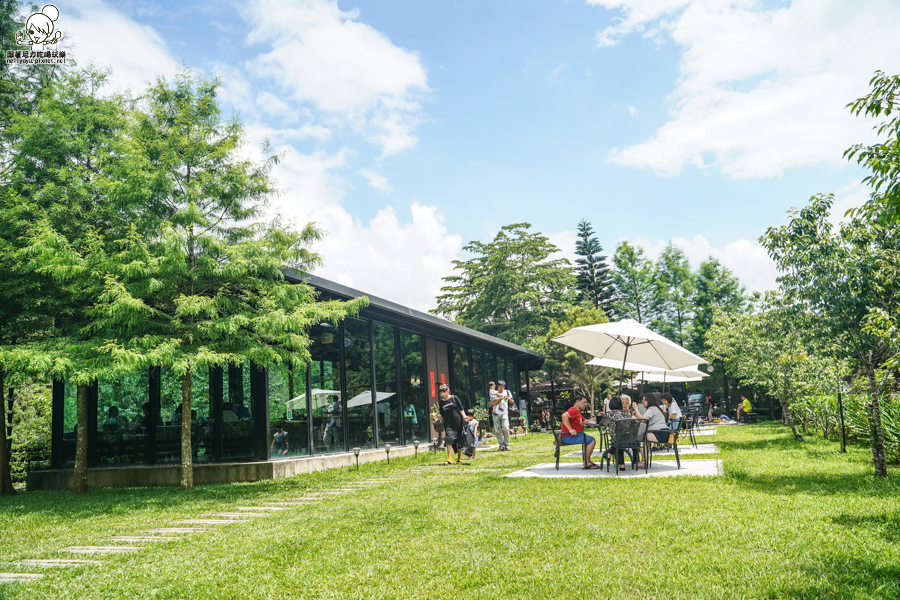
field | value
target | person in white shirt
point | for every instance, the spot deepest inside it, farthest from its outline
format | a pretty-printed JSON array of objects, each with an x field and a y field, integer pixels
[
  {"x": 500, "y": 401},
  {"x": 673, "y": 410}
]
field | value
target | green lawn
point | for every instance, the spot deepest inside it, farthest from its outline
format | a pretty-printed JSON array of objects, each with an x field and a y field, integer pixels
[{"x": 788, "y": 520}]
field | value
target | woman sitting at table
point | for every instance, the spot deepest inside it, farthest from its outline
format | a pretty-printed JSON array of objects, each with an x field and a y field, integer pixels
[
  {"x": 657, "y": 430},
  {"x": 615, "y": 413}
]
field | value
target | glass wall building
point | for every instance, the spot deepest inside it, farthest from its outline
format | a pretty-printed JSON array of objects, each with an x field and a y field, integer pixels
[{"x": 371, "y": 380}]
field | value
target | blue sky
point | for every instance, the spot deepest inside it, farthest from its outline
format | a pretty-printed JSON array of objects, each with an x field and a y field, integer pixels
[{"x": 410, "y": 128}]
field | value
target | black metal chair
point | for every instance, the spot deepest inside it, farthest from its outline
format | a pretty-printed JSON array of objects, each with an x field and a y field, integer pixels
[
  {"x": 673, "y": 442},
  {"x": 690, "y": 423},
  {"x": 557, "y": 435},
  {"x": 629, "y": 435}
]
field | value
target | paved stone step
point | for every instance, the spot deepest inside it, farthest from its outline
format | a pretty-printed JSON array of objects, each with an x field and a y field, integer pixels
[
  {"x": 145, "y": 538},
  {"x": 177, "y": 530},
  {"x": 236, "y": 515},
  {"x": 206, "y": 521},
  {"x": 19, "y": 577},
  {"x": 304, "y": 500},
  {"x": 58, "y": 562},
  {"x": 101, "y": 549},
  {"x": 260, "y": 508},
  {"x": 289, "y": 504}
]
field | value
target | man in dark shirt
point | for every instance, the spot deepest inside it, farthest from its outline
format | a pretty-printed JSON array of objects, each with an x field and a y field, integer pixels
[{"x": 454, "y": 421}]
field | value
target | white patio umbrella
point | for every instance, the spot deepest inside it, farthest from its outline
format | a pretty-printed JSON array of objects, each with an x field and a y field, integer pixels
[{"x": 628, "y": 339}]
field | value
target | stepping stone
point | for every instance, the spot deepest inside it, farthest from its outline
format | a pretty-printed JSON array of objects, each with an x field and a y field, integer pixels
[
  {"x": 101, "y": 549},
  {"x": 303, "y": 500},
  {"x": 261, "y": 508},
  {"x": 58, "y": 562},
  {"x": 178, "y": 530},
  {"x": 19, "y": 577},
  {"x": 147, "y": 538},
  {"x": 289, "y": 504},
  {"x": 236, "y": 515},
  {"x": 205, "y": 521}
]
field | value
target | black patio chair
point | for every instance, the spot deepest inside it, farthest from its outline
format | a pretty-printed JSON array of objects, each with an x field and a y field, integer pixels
[
  {"x": 630, "y": 435},
  {"x": 557, "y": 435},
  {"x": 690, "y": 423},
  {"x": 673, "y": 442}
]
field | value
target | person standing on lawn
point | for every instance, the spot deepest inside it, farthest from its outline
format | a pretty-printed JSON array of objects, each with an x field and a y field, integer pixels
[
  {"x": 500, "y": 402},
  {"x": 573, "y": 431},
  {"x": 454, "y": 421}
]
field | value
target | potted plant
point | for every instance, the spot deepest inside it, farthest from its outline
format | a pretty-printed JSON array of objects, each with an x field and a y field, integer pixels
[{"x": 436, "y": 419}]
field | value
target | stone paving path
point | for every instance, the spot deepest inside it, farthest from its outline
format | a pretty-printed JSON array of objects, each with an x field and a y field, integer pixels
[{"x": 200, "y": 524}]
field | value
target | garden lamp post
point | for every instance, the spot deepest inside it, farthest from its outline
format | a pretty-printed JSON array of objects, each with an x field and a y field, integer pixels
[
  {"x": 356, "y": 452},
  {"x": 434, "y": 444},
  {"x": 387, "y": 450},
  {"x": 416, "y": 445}
]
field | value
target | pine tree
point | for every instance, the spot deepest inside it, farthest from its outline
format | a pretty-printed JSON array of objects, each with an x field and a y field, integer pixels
[
  {"x": 633, "y": 282},
  {"x": 593, "y": 279}
]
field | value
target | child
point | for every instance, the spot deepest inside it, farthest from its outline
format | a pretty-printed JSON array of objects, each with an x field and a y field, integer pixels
[{"x": 472, "y": 424}]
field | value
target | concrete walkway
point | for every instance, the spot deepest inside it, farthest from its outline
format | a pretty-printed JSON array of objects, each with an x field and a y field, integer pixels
[{"x": 660, "y": 468}]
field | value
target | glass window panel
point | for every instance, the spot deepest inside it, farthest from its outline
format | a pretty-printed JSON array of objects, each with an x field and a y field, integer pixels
[
  {"x": 325, "y": 385},
  {"x": 387, "y": 407},
  {"x": 168, "y": 430},
  {"x": 70, "y": 418},
  {"x": 412, "y": 367},
  {"x": 358, "y": 373},
  {"x": 460, "y": 385},
  {"x": 491, "y": 366},
  {"x": 238, "y": 420},
  {"x": 120, "y": 437},
  {"x": 287, "y": 412},
  {"x": 480, "y": 378},
  {"x": 510, "y": 377}
]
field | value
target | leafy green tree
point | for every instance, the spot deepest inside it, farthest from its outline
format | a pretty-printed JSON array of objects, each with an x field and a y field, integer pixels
[
  {"x": 512, "y": 288},
  {"x": 847, "y": 278},
  {"x": 772, "y": 350},
  {"x": 58, "y": 175},
  {"x": 567, "y": 364},
  {"x": 673, "y": 294},
  {"x": 632, "y": 283},
  {"x": 883, "y": 158},
  {"x": 715, "y": 288},
  {"x": 592, "y": 277}
]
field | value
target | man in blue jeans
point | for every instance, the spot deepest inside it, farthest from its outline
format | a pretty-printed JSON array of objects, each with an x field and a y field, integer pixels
[{"x": 573, "y": 431}]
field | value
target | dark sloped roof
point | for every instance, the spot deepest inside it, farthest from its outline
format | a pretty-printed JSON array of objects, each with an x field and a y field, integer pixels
[{"x": 395, "y": 314}]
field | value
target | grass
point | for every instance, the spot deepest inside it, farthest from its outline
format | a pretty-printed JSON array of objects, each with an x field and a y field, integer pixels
[{"x": 787, "y": 520}]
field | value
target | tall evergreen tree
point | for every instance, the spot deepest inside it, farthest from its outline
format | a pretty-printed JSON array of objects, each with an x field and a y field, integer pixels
[
  {"x": 673, "y": 291},
  {"x": 632, "y": 283},
  {"x": 592, "y": 277},
  {"x": 511, "y": 288},
  {"x": 715, "y": 288}
]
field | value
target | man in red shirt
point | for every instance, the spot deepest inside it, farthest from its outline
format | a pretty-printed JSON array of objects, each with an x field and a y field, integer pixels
[{"x": 573, "y": 431}]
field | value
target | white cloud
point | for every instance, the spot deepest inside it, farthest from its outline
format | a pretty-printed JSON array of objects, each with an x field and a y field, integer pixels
[
  {"x": 377, "y": 180},
  {"x": 397, "y": 257},
  {"x": 760, "y": 91},
  {"x": 556, "y": 74},
  {"x": 99, "y": 33},
  {"x": 746, "y": 259},
  {"x": 349, "y": 72},
  {"x": 632, "y": 111},
  {"x": 852, "y": 195}
]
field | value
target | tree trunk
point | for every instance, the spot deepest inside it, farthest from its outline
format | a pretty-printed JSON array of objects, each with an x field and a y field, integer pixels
[
  {"x": 79, "y": 478},
  {"x": 786, "y": 412},
  {"x": 873, "y": 410},
  {"x": 6, "y": 486},
  {"x": 187, "y": 455}
]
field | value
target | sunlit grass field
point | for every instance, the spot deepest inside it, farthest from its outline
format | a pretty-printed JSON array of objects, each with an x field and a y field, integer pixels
[{"x": 787, "y": 520}]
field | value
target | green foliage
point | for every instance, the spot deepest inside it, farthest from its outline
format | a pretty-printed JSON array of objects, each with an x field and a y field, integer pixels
[
  {"x": 31, "y": 430},
  {"x": 592, "y": 276},
  {"x": 673, "y": 294},
  {"x": 632, "y": 283},
  {"x": 715, "y": 289},
  {"x": 567, "y": 365},
  {"x": 511, "y": 289},
  {"x": 882, "y": 159},
  {"x": 856, "y": 422}
]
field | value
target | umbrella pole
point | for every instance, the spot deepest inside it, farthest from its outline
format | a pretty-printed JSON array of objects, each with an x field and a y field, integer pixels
[
  {"x": 622, "y": 374},
  {"x": 642, "y": 384}
]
